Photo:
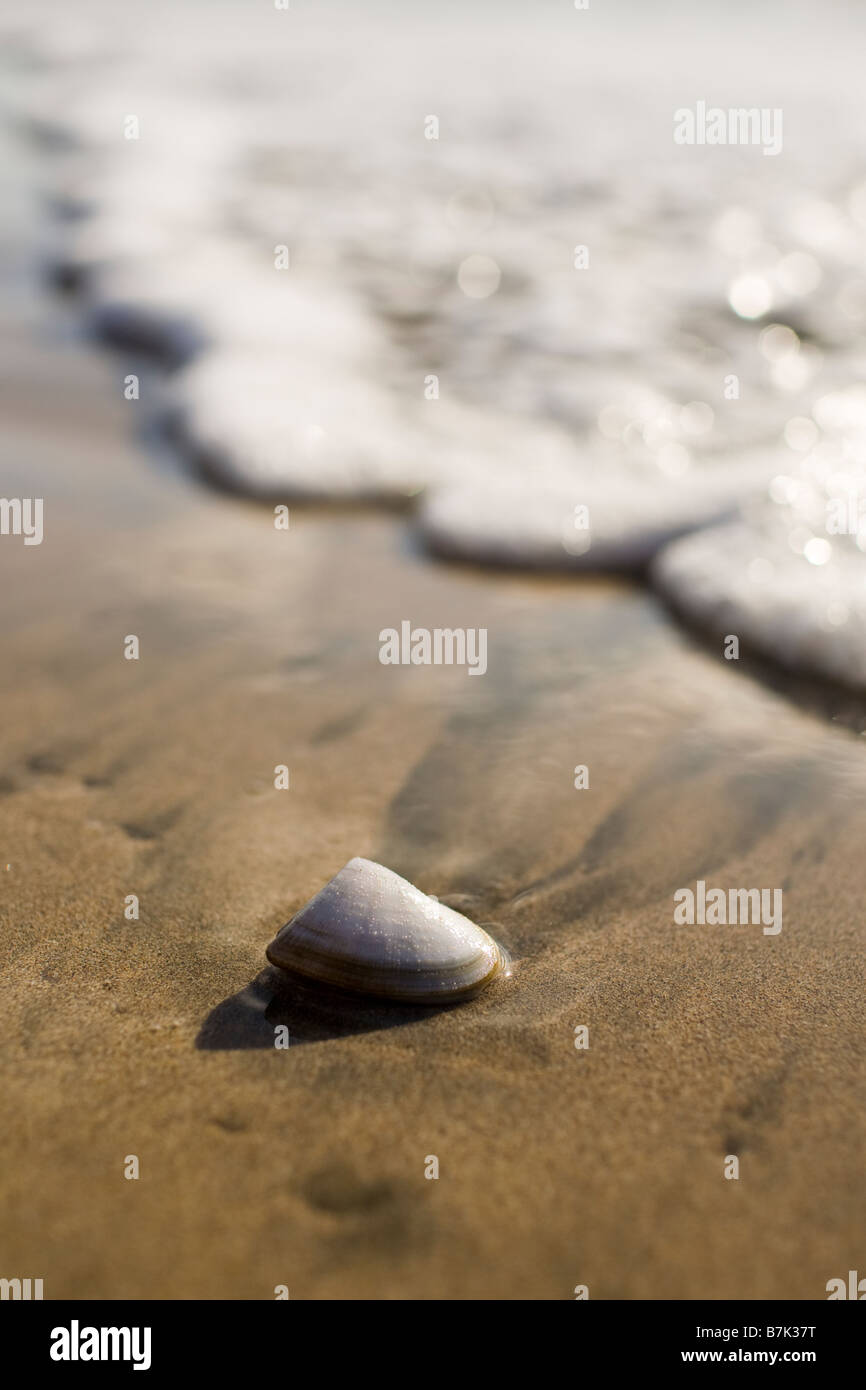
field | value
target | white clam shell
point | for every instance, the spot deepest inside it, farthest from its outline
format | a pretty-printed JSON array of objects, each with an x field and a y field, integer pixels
[{"x": 372, "y": 932}]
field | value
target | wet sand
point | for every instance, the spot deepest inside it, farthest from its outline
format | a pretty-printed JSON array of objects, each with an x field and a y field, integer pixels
[{"x": 305, "y": 1166}]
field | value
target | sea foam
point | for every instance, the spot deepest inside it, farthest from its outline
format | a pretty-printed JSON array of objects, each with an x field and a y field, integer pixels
[{"x": 573, "y": 341}]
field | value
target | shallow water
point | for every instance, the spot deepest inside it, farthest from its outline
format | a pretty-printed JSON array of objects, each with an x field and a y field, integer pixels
[{"x": 436, "y": 330}]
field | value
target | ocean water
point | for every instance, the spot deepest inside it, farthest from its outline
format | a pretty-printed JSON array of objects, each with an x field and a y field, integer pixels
[{"x": 454, "y": 255}]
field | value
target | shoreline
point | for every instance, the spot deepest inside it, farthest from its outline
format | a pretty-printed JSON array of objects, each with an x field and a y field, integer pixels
[{"x": 305, "y": 1167}]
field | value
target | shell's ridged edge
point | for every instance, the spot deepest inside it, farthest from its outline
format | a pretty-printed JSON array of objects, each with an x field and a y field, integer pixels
[{"x": 499, "y": 969}]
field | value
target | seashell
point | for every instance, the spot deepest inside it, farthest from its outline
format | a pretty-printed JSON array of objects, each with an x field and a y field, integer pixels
[{"x": 372, "y": 932}]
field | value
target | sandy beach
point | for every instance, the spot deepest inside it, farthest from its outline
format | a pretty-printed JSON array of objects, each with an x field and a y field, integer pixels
[{"x": 305, "y": 1167}]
